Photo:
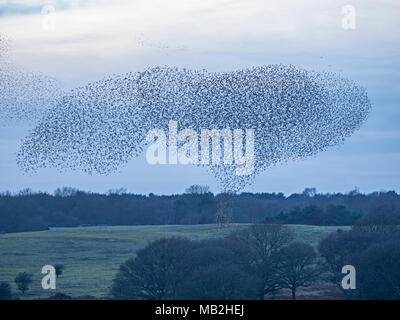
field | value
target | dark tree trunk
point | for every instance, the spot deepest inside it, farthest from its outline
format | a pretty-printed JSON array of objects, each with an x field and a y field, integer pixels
[{"x": 293, "y": 294}]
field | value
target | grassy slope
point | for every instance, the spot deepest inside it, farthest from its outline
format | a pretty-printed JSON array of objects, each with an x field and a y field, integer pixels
[{"x": 92, "y": 255}]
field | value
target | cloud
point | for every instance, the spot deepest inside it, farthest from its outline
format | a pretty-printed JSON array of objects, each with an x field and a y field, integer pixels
[
  {"x": 214, "y": 25},
  {"x": 13, "y": 9}
]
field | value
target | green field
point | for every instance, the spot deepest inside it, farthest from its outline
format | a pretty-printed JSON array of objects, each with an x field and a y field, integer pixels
[{"x": 92, "y": 255}]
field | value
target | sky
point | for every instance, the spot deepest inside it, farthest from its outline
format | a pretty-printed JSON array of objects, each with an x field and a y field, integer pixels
[{"x": 77, "y": 42}]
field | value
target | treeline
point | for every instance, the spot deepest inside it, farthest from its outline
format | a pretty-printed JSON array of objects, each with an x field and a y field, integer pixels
[
  {"x": 259, "y": 262},
  {"x": 248, "y": 264},
  {"x": 68, "y": 207},
  {"x": 333, "y": 215}
]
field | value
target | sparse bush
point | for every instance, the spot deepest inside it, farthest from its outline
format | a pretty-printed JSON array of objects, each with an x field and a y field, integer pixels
[
  {"x": 23, "y": 281},
  {"x": 59, "y": 269}
]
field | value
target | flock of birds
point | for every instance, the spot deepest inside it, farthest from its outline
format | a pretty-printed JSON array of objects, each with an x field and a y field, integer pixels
[
  {"x": 24, "y": 95},
  {"x": 99, "y": 127}
]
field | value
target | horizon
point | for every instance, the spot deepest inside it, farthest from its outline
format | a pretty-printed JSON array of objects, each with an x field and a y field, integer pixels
[{"x": 122, "y": 191}]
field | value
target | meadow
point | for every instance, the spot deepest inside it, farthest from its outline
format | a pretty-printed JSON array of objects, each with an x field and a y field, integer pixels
[{"x": 92, "y": 255}]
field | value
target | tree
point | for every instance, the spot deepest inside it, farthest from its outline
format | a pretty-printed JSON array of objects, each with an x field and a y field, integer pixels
[
  {"x": 117, "y": 192},
  {"x": 308, "y": 215},
  {"x": 264, "y": 243},
  {"x": 338, "y": 216},
  {"x": 382, "y": 219},
  {"x": 5, "y": 291},
  {"x": 156, "y": 271},
  {"x": 297, "y": 267},
  {"x": 23, "y": 281},
  {"x": 59, "y": 269},
  {"x": 378, "y": 276},
  {"x": 219, "y": 281},
  {"x": 310, "y": 192},
  {"x": 265, "y": 240},
  {"x": 26, "y": 192},
  {"x": 65, "y": 192},
  {"x": 197, "y": 189},
  {"x": 216, "y": 271},
  {"x": 338, "y": 249},
  {"x": 177, "y": 268}
]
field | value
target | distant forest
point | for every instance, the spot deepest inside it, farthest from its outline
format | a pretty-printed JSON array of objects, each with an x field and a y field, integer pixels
[{"x": 68, "y": 207}]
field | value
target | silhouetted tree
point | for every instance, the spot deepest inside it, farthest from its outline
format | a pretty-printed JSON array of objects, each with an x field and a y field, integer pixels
[
  {"x": 198, "y": 189},
  {"x": 23, "y": 281},
  {"x": 264, "y": 243},
  {"x": 265, "y": 240},
  {"x": 59, "y": 269},
  {"x": 338, "y": 249},
  {"x": 383, "y": 219},
  {"x": 310, "y": 192},
  {"x": 338, "y": 215},
  {"x": 65, "y": 192},
  {"x": 117, "y": 192},
  {"x": 220, "y": 281},
  {"x": 156, "y": 271},
  {"x": 378, "y": 276},
  {"x": 297, "y": 267},
  {"x": 217, "y": 271}
]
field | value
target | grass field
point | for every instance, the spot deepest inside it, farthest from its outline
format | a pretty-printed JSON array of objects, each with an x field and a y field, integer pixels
[{"x": 92, "y": 255}]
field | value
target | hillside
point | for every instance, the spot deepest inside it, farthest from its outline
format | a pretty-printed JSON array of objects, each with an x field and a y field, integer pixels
[{"x": 92, "y": 255}]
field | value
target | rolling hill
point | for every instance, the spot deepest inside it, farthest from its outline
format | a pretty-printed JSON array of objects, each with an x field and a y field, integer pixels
[{"x": 92, "y": 255}]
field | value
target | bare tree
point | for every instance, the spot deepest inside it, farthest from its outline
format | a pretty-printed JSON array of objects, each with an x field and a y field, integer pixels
[
  {"x": 117, "y": 192},
  {"x": 297, "y": 267},
  {"x": 65, "y": 192},
  {"x": 198, "y": 189},
  {"x": 264, "y": 243},
  {"x": 266, "y": 240}
]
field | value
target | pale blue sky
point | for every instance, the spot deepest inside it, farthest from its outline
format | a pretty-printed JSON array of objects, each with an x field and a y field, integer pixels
[{"x": 96, "y": 38}]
